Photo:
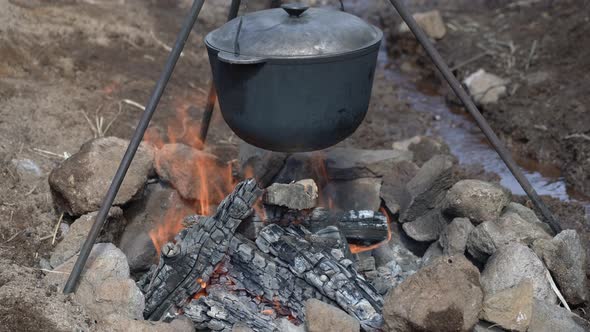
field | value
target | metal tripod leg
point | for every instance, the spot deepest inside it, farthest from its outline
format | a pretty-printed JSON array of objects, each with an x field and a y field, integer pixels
[
  {"x": 133, "y": 145},
  {"x": 479, "y": 119}
]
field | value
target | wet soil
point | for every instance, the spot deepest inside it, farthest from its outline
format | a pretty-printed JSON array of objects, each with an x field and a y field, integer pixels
[{"x": 66, "y": 64}]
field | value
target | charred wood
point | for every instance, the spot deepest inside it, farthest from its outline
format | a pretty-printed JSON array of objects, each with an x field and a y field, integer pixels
[
  {"x": 336, "y": 280},
  {"x": 186, "y": 264}
]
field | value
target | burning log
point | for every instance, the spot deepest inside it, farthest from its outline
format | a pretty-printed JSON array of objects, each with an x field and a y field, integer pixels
[
  {"x": 187, "y": 264},
  {"x": 356, "y": 226},
  {"x": 336, "y": 280},
  {"x": 269, "y": 278}
]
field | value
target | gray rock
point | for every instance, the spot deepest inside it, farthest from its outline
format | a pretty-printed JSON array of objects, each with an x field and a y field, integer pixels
[
  {"x": 434, "y": 251},
  {"x": 393, "y": 188},
  {"x": 510, "y": 265},
  {"x": 104, "y": 287},
  {"x": 423, "y": 148},
  {"x": 120, "y": 323},
  {"x": 453, "y": 239},
  {"x": 78, "y": 231},
  {"x": 350, "y": 163},
  {"x": 487, "y": 237},
  {"x": 300, "y": 195},
  {"x": 431, "y": 22},
  {"x": 186, "y": 169},
  {"x": 358, "y": 194},
  {"x": 241, "y": 328},
  {"x": 566, "y": 259},
  {"x": 427, "y": 189},
  {"x": 484, "y": 87},
  {"x": 444, "y": 296},
  {"x": 286, "y": 326},
  {"x": 548, "y": 317},
  {"x": 527, "y": 215},
  {"x": 78, "y": 184},
  {"x": 159, "y": 205},
  {"x": 27, "y": 170},
  {"x": 477, "y": 200},
  {"x": 427, "y": 227},
  {"x": 321, "y": 317},
  {"x": 511, "y": 308}
]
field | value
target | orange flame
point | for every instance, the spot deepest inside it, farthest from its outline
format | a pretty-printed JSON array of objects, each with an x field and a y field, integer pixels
[
  {"x": 213, "y": 178},
  {"x": 355, "y": 248}
]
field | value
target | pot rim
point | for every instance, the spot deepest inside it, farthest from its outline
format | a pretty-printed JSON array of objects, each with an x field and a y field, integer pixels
[{"x": 307, "y": 59}]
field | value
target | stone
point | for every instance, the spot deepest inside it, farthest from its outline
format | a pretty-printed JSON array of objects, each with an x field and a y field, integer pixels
[
  {"x": 195, "y": 174},
  {"x": 321, "y": 317},
  {"x": 431, "y": 22},
  {"x": 485, "y": 88},
  {"x": 427, "y": 188},
  {"x": 160, "y": 205},
  {"x": 120, "y": 323},
  {"x": 27, "y": 170},
  {"x": 510, "y": 265},
  {"x": 78, "y": 231},
  {"x": 300, "y": 195},
  {"x": 477, "y": 200},
  {"x": 453, "y": 238},
  {"x": 261, "y": 164},
  {"x": 434, "y": 251},
  {"x": 423, "y": 148},
  {"x": 487, "y": 237},
  {"x": 443, "y": 296},
  {"x": 565, "y": 257},
  {"x": 427, "y": 227},
  {"x": 359, "y": 194},
  {"x": 79, "y": 183},
  {"x": 549, "y": 317},
  {"x": 104, "y": 287},
  {"x": 393, "y": 188},
  {"x": 511, "y": 308},
  {"x": 527, "y": 215},
  {"x": 286, "y": 326},
  {"x": 351, "y": 163}
]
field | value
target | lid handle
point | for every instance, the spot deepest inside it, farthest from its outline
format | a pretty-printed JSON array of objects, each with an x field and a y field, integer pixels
[{"x": 294, "y": 9}]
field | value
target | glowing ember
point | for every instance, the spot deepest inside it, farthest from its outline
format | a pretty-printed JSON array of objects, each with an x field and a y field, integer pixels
[
  {"x": 355, "y": 248},
  {"x": 268, "y": 312}
]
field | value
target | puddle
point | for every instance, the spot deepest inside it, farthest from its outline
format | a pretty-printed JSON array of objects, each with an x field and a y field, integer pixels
[{"x": 466, "y": 140}]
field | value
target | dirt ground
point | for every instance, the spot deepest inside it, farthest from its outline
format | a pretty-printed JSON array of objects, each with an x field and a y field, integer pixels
[{"x": 67, "y": 64}]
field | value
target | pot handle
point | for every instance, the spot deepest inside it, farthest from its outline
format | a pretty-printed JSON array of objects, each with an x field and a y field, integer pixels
[{"x": 237, "y": 59}]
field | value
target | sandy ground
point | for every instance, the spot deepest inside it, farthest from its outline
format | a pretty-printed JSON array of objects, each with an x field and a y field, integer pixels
[{"x": 66, "y": 64}]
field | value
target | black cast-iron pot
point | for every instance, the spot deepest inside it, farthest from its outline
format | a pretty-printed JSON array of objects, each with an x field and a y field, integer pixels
[{"x": 294, "y": 79}]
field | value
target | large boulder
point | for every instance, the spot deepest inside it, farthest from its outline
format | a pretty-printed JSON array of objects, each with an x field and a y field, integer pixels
[
  {"x": 566, "y": 259},
  {"x": 477, "y": 200},
  {"x": 510, "y": 308},
  {"x": 321, "y": 317},
  {"x": 510, "y": 265},
  {"x": 443, "y": 296},
  {"x": 79, "y": 184}
]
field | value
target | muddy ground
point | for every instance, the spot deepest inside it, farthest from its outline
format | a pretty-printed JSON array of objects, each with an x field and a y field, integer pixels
[{"x": 65, "y": 64}]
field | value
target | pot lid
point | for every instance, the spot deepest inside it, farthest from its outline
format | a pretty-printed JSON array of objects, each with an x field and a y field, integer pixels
[{"x": 294, "y": 30}]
